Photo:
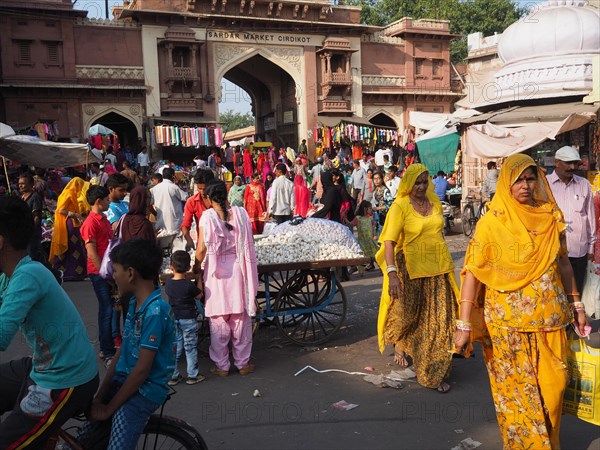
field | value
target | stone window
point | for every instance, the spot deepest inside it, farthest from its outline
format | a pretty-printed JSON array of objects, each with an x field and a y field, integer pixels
[
  {"x": 23, "y": 53},
  {"x": 181, "y": 57},
  {"x": 53, "y": 53},
  {"x": 436, "y": 68},
  {"x": 418, "y": 67}
]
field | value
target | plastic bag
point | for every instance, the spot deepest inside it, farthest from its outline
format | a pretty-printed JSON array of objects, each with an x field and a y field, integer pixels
[
  {"x": 106, "y": 269},
  {"x": 582, "y": 396},
  {"x": 591, "y": 292}
]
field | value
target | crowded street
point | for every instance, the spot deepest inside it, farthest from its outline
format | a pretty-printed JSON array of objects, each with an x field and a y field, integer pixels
[{"x": 300, "y": 225}]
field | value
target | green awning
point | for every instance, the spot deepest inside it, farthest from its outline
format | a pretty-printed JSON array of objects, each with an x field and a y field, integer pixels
[{"x": 439, "y": 153}]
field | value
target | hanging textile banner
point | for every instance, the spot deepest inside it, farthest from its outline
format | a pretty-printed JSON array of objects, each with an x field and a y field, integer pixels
[
  {"x": 439, "y": 153},
  {"x": 171, "y": 135}
]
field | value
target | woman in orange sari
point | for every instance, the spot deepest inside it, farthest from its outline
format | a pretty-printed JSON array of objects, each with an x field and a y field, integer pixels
[
  {"x": 255, "y": 204},
  {"x": 67, "y": 252},
  {"x": 518, "y": 296}
]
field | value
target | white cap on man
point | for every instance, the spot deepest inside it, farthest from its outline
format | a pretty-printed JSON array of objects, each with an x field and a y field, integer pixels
[{"x": 567, "y": 154}]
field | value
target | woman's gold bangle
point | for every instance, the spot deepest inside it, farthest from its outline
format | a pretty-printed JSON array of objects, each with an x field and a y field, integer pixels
[
  {"x": 467, "y": 301},
  {"x": 574, "y": 294}
]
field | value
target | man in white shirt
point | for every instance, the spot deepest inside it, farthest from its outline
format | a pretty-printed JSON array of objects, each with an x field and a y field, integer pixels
[
  {"x": 143, "y": 161},
  {"x": 167, "y": 198},
  {"x": 575, "y": 198},
  {"x": 392, "y": 181},
  {"x": 229, "y": 152},
  {"x": 379, "y": 154},
  {"x": 364, "y": 162},
  {"x": 282, "y": 202},
  {"x": 315, "y": 174},
  {"x": 358, "y": 180}
]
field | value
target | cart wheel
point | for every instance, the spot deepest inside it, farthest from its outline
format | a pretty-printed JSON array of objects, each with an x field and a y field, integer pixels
[
  {"x": 310, "y": 308},
  {"x": 276, "y": 282}
]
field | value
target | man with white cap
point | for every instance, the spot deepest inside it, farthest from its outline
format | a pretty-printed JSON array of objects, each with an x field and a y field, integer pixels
[{"x": 574, "y": 197}]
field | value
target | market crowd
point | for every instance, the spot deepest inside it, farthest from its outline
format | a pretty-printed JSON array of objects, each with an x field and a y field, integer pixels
[{"x": 517, "y": 305}]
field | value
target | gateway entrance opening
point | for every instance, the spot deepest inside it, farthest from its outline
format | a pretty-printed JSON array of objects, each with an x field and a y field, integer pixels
[{"x": 273, "y": 95}]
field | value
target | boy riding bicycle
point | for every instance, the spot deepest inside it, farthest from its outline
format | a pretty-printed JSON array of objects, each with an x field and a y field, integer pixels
[
  {"x": 136, "y": 385},
  {"x": 60, "y": 379}
]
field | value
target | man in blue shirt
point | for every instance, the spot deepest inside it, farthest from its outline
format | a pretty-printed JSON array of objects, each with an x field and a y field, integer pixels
[
  {"x": 41, "y": 392},
  {"x": 136, "y": 385},
  {"x": 440, "y": 185},
  {"x": 117, "y": 185}
]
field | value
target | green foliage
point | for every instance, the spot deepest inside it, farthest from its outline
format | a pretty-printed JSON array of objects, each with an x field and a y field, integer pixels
[
  {"x": 465, "y": 16},
  {"x": 231, "y": 120}
]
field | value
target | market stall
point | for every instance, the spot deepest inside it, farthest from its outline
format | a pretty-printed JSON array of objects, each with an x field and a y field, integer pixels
[
  {"x": 357, "y": 133},
  {"x": 180, "y": 141}
]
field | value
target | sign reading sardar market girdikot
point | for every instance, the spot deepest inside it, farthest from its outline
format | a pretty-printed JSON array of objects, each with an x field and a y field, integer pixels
[{"x": 267, "y": 38}]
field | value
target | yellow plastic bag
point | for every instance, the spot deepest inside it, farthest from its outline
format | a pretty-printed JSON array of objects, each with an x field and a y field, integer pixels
[{"x": 582, "y": 396}]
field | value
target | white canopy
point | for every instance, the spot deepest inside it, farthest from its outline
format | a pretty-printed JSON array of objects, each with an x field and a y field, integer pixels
[
  {"x": 494, "y": 141},
  {"x": 40, "y": 153}
]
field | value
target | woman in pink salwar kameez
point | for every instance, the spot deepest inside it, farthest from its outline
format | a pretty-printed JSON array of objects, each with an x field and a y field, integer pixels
[{"x": 226, "y": 247}]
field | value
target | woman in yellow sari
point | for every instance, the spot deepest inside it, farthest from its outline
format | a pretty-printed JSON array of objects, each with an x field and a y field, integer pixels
[
  {"x": 67, "y": 252},
  {"x": 517, "y": 295},
  {"x": 418, "y": 300}
]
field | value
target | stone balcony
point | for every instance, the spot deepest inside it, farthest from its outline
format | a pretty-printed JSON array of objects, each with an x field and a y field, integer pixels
[
  {"x": 335, "y": 106},
  {"x": 181, "y": 73},
  {"x": 178, "y": 104},
  {"x": 337, "y": 79}
]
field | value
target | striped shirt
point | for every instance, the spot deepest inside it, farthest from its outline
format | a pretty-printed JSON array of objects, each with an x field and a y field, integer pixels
[{"x": 575, "y": 199}]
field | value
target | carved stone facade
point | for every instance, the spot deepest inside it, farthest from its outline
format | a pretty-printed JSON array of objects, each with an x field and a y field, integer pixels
[
  {"x": 109, "y": 72},
  {"x": 297, "y": 61}
]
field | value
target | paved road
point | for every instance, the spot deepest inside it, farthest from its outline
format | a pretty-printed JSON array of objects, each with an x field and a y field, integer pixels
[{"x": 295, "y": 412}]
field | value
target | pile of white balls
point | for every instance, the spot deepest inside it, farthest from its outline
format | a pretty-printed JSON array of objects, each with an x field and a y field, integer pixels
[{"x": 313, "y": 240}]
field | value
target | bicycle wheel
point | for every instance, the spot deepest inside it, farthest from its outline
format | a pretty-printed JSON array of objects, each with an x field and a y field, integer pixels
[
  {"x": 482, "y": 210},
  {"x": 170, "y": 433},
  {"x": 159, "y": 433},
  {"x": 468, "y": 219}
]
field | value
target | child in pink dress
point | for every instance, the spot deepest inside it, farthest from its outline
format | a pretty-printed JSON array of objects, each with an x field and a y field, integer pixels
[{"x": 230, "y": 276}]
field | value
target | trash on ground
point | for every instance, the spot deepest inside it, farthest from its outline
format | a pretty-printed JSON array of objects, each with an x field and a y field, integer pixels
[
  {"x": 310, "y": 349},
  {"x": 402, "y": 374},
  {"x": 328, "y": 370},
  {"x": 382, "y": 381},
  {"x": 235, "y": 393},
  {"x": 369, "y": 369},
  {"x": 256, "y": 393},
  {"x": 343, "y": 405},
  {"x": 466, "y": 444},
  {"x": 459, "y": 431}
]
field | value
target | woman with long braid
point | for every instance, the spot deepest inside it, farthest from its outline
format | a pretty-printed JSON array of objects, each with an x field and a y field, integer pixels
[{"x": 230, "y": 278}]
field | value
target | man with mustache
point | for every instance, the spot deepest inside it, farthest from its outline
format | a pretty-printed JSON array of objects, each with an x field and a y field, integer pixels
[{"x": 574, "y": 196}]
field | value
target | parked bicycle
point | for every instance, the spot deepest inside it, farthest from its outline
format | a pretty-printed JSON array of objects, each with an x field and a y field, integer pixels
[
  {"x": 471, "y": 213},
  {"x": 161, "y": 432}
]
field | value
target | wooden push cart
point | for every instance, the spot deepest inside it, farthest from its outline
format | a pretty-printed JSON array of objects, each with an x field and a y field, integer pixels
[{"x": 304, "y": 299}]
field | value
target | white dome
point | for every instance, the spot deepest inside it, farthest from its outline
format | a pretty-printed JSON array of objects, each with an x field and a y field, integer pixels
[{"x": 557, "y": 27}]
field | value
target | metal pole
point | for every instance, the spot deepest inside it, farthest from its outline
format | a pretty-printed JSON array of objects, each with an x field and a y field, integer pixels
[{"x": 106, "y": 7}]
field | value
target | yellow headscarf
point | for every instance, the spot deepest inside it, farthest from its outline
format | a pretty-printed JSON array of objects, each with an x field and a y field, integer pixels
[
  {"x": 72, "y": 198},
  {"x": 514, "y": 244},
  {"x": 408, "y": 181}
]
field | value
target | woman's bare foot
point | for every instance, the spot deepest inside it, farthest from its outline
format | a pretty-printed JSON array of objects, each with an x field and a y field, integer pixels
[
  {"x": 443, "y": 387},
  {"x": 400, "y": 358}
]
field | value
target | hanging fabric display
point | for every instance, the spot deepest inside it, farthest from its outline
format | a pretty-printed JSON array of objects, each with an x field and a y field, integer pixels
[{"x": 173, "y": 135}]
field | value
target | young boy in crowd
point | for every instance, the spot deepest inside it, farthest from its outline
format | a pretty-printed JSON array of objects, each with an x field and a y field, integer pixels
[
  {"x": 182, "y": 294},
  {"x": 96, "y": 232},
  {"x": 136, "y": 385}
]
